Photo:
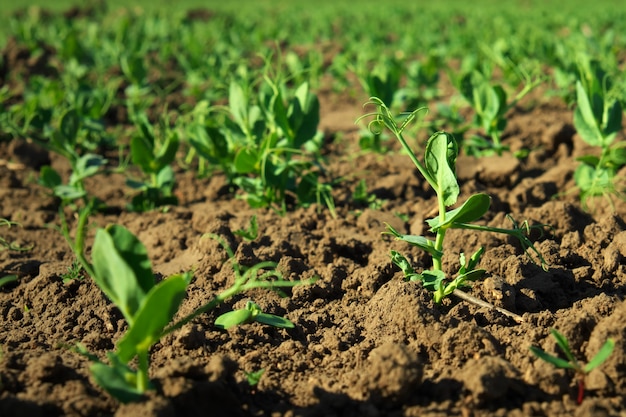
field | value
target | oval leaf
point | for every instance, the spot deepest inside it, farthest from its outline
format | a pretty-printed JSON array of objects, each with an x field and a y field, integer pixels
[
  {"x": 473, "y": 209},
  {"x": 157, "y": 310},
  {"x": 245, "y": 160},
  {"x": 114, "y": 275},
  {"x": 275, "y": 321},
  {"x": 233, "y": 318},
  {"x": 440, "y": 160}
]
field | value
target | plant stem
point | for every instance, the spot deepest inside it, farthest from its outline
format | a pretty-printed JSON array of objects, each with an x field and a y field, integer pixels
[
  {"x": 581, "y": 389},
  {"x": 470, "y": 298},
  {"x": 142, "y": 374}
]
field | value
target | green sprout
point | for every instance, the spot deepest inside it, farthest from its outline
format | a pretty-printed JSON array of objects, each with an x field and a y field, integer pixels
[
  {"x": 571, "y": 362},
  {"x": 154, "y": 157},
  {"x": 5, "y": 244},
  {"x": 438, "y": 169},
  {"x": 251, "y": 232},
  {"x": 122, "y": 270},
  {"x": 254, "y": 377},
  {"x": 251, "y": 313},
  {"x": 598, "y": 120}
]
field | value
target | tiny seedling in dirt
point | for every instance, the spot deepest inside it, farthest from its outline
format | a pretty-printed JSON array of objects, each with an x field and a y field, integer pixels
[
  {"x": 5, "y": 244},
  {"x": 254, "y": 377},
  {"x": 251, "y": 313},
  {"x": 362, "y": 197},
  {"x": 249, "y": 233},
  {"x": 571, "y": 362},
  {"x": 64, "y": 142},
  {"x": 438, "y": 169},
  {"x": 74, "y": 272}
]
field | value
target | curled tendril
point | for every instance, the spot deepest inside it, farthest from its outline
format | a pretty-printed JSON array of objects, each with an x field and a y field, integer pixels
[{"x": 384, "y": 118}]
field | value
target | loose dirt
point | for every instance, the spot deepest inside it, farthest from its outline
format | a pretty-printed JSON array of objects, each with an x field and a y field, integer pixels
[{"x": 365, "y": 342}]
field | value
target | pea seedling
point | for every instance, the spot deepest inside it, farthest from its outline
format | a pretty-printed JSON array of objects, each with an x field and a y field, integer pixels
[
  {"x": 598, "y": 120},
  {"x": 251, "y": 313},
  {"x": 571, "y": 362},
  {"x": 122, "y": 270},
  {"x": 438, "y": 169}
]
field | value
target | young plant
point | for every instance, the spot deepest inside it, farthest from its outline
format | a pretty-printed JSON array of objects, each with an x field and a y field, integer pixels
[
  {"x": 251, "y": 313},
  {"x": 154, "y": 159},
  {"x": 438, "y": 169},
  {"x": 64, "y": 141},
  {"x": 122, "y": 270},
  {"x": 278, "y": 157},
  {"x": 5, "y": 244},
  {"x": 363, "y": 198},
  {"x": 598, "y": 119},
  {"x": 571, "y": 362},
  {"x": 490, "y": 106},
  {"x": 251, "y": 232}
]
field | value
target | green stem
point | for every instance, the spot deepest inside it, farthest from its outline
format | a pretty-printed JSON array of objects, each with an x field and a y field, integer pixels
[
  {"x": 79, "y": 241},
  {"x": 143, "y": 379},
  {"x": 422, "y": 169},
  {"x": 218, "y": 299}
]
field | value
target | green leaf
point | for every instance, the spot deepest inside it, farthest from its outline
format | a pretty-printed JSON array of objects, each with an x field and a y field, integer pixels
[
  {"x": 134, "y": 254},
  {"x": 473, "y": 209},
  {"x": 116, "y": 379},
  {"x": 459, "y": 281},
  {"x": 253, "y": 378},
  {"x": 584, "y": 118},
  {"x": 165, "y": 179},
  {"x": 238, "y": 104},
  {"x": 558, "y": 362},
  {"x": 156, "y": 311},
  {"x": 304, "y": 115},
  {"x": 166, "y": 153},
  {"x": 440, "y": 161},
  {"x": 563, "y": 343},
  {"x": 69, "y": 192},
  {"x": 433, "y": 280},
  {"x": 602, "y": 355},
  {"x": 122, "y": 268},
  {"x": 246, "y": 160},
  {"x": 49, "y": 177},
  {"x": 70, "y": 123},
  {"x": 419, "y": 241},
  {"x": 233, "y": 318},
  {"x": 209, "y": 142},
  {"x": 141, "y": 151},
  {"x": 401, "y": 262},
  {"x": 86, "y": 166},
  {"x": 272, "y": 320}
]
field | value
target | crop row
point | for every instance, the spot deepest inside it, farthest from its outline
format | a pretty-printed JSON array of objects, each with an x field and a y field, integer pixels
[{"x": 207, "y": 92}]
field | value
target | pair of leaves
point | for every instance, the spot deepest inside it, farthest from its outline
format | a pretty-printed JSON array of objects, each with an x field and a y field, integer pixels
[
  {"x": 473, "y": 209},
  {"x": 489, "y": 102},
  {"x": 597, "y": 117},
  {"x": 84, "y": 167},
  {"x": 123, "y": 272},
  {"x": 440, "y": 163},
  {"x": 144, "y": 150},
  {"x": 435, "y": 280},
  {"x": 251, "y": 313},
  {"x": 571, "y": 362}
]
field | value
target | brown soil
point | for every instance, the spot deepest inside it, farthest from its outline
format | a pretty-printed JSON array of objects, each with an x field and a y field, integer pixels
[{"x": 366, "y": 343}]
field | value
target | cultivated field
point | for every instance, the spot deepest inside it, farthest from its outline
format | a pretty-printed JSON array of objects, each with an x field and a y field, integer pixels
[{"x": 342, "y": 211}]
